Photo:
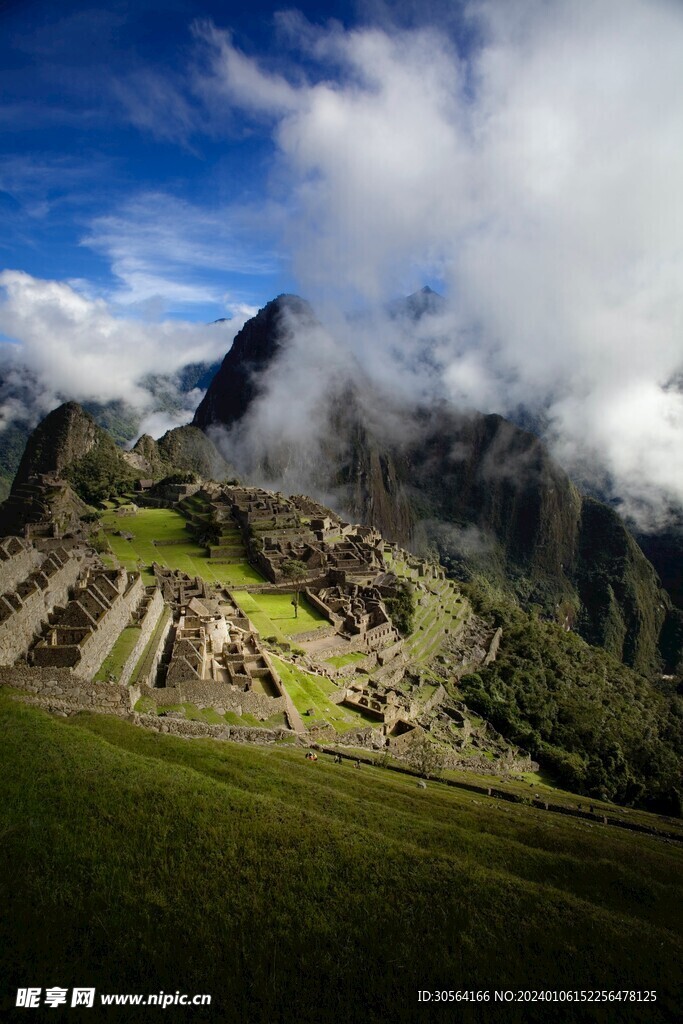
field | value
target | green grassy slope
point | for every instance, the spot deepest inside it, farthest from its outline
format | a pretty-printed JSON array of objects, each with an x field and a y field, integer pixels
[
  {"x": 174, "y": 547},
  {"x": 297, "y": 892}
]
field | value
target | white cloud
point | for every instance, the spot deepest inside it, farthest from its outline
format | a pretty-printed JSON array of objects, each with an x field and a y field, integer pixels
[
  {"x": 76, "y": 347},
  {"x": 166, "y": 250},
  {"x": 540, "y": 175}
]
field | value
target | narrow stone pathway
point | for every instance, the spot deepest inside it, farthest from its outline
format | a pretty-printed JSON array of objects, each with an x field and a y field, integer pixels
[{"x": 293, "y": 717}]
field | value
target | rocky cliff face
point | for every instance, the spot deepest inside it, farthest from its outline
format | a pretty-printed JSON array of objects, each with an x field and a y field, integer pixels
[
  {"x": 236, "y": 384},
  {"x": 482, "y": 492},
  {"x": 65, "y": 435},
  {"x": 184, "y": 449}
]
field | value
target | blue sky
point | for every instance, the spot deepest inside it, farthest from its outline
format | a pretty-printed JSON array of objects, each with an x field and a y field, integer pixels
[
  {"x": 164, "y": 166},
  {"x": 123, "y": 171},
  {"x": 82, "y": 164}
]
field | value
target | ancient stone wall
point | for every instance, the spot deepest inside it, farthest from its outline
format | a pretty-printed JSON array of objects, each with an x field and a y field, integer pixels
[
  {"x": 387, "y": 654},
  {"x": 28, "y": 615},
  {"x": 184, "y": 728},
  {"x": 148, "y": 671},
  {"x": 356, "y": 645},
  {"x": 320, "y": 606},
  {"x": 205, "y": 693},
  {"x": 98, "y": 646},
  {"x": 436, "y": 698},
  {"x": 17, "y": 560},
  {"x": 368, "y": 737},
  {"x": 378, "y": 635},
  {"x": 61, "y": 688},
  {"x": 347, "y": 672},
  {"x": 148, "y": 624}
]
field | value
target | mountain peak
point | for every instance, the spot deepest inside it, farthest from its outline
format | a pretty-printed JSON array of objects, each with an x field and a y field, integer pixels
[
  {"x": 424, "y": 302},
  {"x": 255, "y": 346},
  {"x": 65, "y": 432}
]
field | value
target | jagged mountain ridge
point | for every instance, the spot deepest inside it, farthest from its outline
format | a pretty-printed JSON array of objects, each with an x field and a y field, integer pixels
[
  {"x": 184, "y": 449},
  {"x": 69, "y": 445},
  {"x": 480, "y": 490},
  {"x": 252, "y": 351},
  {"x": 18, "y": 390}
]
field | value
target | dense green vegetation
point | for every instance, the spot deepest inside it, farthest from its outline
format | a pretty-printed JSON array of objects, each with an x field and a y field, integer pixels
[
  {"x": 102, "y": 473},
  {"x": 401, "y": 607},
  {"x": 599, "y": 726},
  {"x": 295, "y": 892},
  {"x": 620, "y": 609}
]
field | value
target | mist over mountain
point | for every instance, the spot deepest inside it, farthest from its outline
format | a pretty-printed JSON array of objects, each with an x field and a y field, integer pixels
[
  {"x": 169, "y": 401},
  {"x": 292, "y": 408}
]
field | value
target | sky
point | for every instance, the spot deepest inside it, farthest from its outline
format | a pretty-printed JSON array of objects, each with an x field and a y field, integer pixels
[{"x": 523, "y": 157}]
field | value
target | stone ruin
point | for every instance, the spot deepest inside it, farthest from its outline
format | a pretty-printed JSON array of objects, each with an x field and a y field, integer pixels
[
  {"x": 62, "y": 612},
  {"x": 357, "y": 611},
  {"x": 215, "y": 651},
  {"x": 276, "y": 529},
  {"x": 34, "y": 584},
  {"x": 80, "y": 635}
]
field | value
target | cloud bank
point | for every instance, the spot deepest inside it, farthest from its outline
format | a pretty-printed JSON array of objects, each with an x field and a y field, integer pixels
[
  {"x": 537, "y": 172},
  {"x": 62, "y": 344}
]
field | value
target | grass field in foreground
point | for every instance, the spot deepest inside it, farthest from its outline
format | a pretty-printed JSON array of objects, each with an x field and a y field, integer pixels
[
  {"x": 168, "y": 526},
  {"x": 135, "y": 862}
]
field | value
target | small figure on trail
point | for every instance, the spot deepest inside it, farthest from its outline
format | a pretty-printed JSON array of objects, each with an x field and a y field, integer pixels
[
  {"x": 337, "y": 759},
  {"x": 356, "y": 763},
  {"x": 311, "y": 756}
]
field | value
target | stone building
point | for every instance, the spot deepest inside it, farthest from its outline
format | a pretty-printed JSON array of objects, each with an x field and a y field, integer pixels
[
  {"x": 39, "y": 584},
  {"x": 83, "y": 633}
]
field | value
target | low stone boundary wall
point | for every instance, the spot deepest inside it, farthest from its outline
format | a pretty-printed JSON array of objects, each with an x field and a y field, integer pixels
[
  {"x": 200, "y": 730},
  {"x": 66, "y": 690},
  {"x": 205, "y": 693}
]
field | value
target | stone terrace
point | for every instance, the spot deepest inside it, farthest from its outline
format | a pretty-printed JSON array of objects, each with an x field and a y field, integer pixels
[
  {"x": 276, "y": 529},
  {"x": 82, "y": 634},
  {"x": 26, "y": 607}
]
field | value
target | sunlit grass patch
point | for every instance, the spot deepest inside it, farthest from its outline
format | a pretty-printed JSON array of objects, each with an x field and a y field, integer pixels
[
  {"x": 311, "y": 692},
  {"x": 116, "y": 659}
]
